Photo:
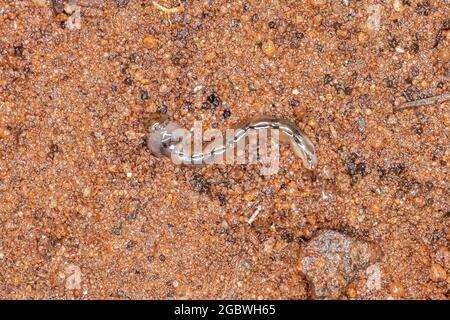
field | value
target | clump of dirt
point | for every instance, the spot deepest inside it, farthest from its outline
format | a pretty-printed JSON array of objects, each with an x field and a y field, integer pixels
[{"x": 332, "y": 260}]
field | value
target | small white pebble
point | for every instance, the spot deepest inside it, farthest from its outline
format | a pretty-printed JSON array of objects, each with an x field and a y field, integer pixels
[
  {"x": 73, "y": 280},
  {"x": 129, "y": 174},
  {"x": 61, "y": 275},
  {"x": 295, "y": 92},
  {"x": 399, "y": 50},
  {"x": 69, "y": 8},
  {"x": 254, "y": 215},
  {"x": 374, "y": 276},
  {"x": 85, "y": 290},
  {"x": 197, "y": 88},
  {"x": 374, "y": 19},
  {"x": 397, "y": 5},
  {"x": 392, "y": 120}
]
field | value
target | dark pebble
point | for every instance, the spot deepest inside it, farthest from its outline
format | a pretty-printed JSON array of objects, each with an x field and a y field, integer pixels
[
  {"x": 361, "y": 124},
  {"x": 162, "y": 109},
  {"x": 327, "y": 79},
  {"x": 390, "y": 82},
  {"x": 295, "y": 39},
  {"x": 27, "y": 70},
  {"x": 170, "y": 294},
  {"x": 58, "y": 6},
  {"x": 348, "y": 90},
  {"x": 144, "y": 95},
  {"x": 128, "y": 82},
  {"x": 117, "y": 230},
  {"x": 363, "y": 100},
  {"x": 131, "y": 244},
  {"x": 133, "y": 214},
  {"x": 214, "y": 99},
  {"x": 188, "y": 106},
  {"x": 418, "y": 130},
  {"x": 19, "y": 50},
  {"x": 221, "y": 199},
  {"x": 226, "y": 113},
  {"x": 397, "y": 169},
  {"x": 206, "y": 105},
  {"x": 393, "y": 43},
  {"x": 355, "y": 169},
  {"x": 231, "y": 239},
  {"x": 121, "y": 3},
  {"x": 183, "y": 33},
  {"x": 235, "y": 23},
  {"x": 424, "y": 8},
  {"x": 294, "y": 103},
  {"x": 200, "y": 184},
  {"x": 414, "y": 48},
  {"x": 53, "y": 150},
  {"x": 133, "y": 57},
  {"x": 287, "y": 237},
  {"x": 143, "y": 142},
  {"x": 380, "y": 171}
]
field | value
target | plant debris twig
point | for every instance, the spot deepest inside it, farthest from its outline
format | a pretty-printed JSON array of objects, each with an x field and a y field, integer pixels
[
  {"x": 178, "y": 9},
  {"x": 445, "y": 27},
  {"x": 169, "y": 11},
  {"x": 424, "y": 102},
  {"x": 254, "y": 215}
]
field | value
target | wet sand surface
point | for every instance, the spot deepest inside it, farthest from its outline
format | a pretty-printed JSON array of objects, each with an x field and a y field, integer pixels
[{"x": 87, "y": 212}]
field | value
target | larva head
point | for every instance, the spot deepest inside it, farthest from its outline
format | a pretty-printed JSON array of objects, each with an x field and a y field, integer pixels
[{"x": 161, "y": 140}]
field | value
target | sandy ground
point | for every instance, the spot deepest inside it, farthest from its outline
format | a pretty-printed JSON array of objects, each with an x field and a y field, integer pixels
[{"x": 87, "y": 212}]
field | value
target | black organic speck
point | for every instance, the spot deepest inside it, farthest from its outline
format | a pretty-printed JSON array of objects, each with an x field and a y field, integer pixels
[
  {"x": 327, "y": 79},
  {"x": 214, "y": 99},
  {"x": 162, "y": 109},
  {"x": 226, "y": 113}
]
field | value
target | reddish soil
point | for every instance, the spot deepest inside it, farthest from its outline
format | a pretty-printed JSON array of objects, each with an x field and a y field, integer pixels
[{"x": 87, "y": 212}]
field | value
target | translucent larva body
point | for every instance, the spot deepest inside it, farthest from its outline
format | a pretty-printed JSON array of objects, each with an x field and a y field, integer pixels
[{"x": 163, "y": 142}]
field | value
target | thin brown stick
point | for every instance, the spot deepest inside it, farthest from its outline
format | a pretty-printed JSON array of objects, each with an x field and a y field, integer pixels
[
  {"x": 178, "y": 9},
  {"x": 424, "y": 102}
]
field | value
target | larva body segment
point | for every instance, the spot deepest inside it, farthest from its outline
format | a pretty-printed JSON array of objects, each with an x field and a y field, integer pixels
[{"x": 164, "y": 141}]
